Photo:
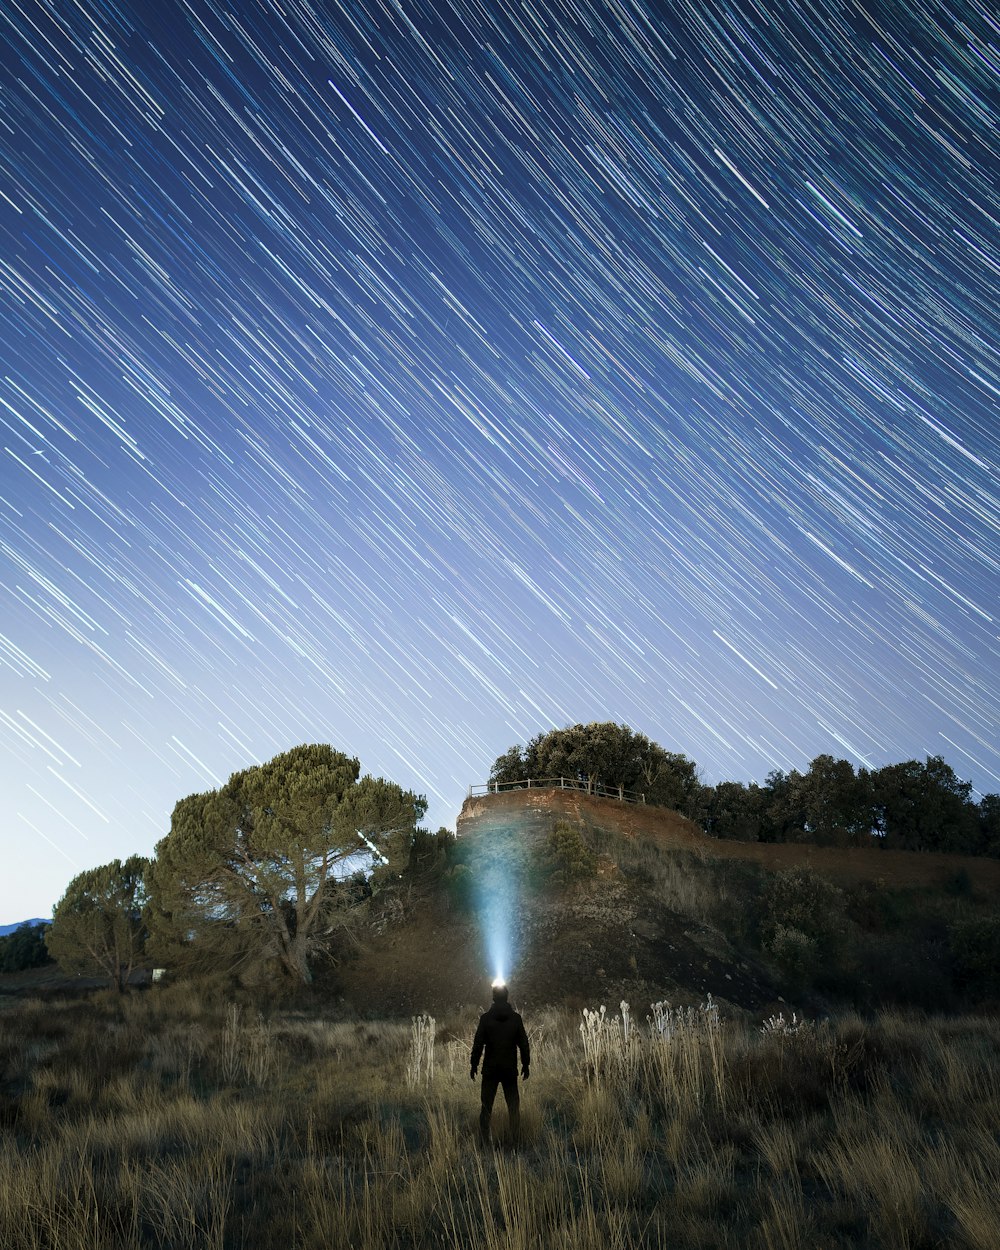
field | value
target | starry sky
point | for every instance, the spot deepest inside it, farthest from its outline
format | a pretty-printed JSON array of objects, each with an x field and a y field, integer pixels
[{"x": 420, "y": 375}]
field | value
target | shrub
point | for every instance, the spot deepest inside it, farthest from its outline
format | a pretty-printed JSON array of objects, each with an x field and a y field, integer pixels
[
  {"x": 793, "y": 949},
  {"x": 974, "y": 946},
  {"x": 567, "y": 856},
  {"x": 804, "y": 922}
]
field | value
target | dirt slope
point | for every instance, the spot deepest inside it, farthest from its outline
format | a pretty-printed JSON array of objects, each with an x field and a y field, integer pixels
[
  {"x": 607, "y": 940},
  {"x": 612, "y": 938}
]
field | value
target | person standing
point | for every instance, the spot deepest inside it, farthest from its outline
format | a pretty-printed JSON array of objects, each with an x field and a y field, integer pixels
[{"x": 499, "y": 1037}]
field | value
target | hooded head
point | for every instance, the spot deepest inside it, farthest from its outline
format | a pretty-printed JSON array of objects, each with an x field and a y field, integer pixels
[{"x": 501, "y": 1008}]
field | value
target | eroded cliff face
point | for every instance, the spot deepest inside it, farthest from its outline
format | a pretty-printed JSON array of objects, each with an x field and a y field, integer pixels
[{"x": 536, "y": 809}]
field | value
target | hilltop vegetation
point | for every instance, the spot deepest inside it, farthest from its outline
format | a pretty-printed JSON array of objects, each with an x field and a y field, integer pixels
[{"x": 912, "y": 806}]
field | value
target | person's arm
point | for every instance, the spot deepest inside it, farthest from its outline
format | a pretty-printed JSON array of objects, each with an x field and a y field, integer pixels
[
  {"x": 524, "y": 1046},
  {"x": 477, "y": 1047}
]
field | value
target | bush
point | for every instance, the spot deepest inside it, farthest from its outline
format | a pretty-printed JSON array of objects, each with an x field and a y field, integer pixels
[
  {"x": 974, "y": 946},
  {"x": 804, "y": 922},
  {"x": 793, "y": 949},
  {"x": 567, "y": 856}
]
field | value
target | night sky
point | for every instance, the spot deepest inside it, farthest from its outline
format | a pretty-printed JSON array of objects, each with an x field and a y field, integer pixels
[{"x": 417, "y": 377}]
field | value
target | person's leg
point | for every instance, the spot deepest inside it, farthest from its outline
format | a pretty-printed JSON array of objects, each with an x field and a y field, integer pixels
[
  {"x": 488, "y": 1093},
  {"x": 513, "y": 1099}
]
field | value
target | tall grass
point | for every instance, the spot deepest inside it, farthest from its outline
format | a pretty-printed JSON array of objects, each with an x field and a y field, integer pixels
[
  {"x": 167, "y": 1121},
  {"x": 420, "y": 1069}
]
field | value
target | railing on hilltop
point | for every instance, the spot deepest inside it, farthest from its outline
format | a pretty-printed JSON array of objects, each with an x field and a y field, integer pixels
[{"x": 560, "y": 783}]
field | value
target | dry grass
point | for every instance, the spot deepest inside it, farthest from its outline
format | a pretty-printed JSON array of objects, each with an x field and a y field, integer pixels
[{"x": 167, "y": 1121}]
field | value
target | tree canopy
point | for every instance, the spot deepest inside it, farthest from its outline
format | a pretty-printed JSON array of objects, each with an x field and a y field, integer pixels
[
  {"x": 98, "y": 925},
  {"x": 923, "y": 807},
  {"x": 261, "y": 860},
  {"x": 606, "y": 754},
  {"x": 915, "y": 805}
]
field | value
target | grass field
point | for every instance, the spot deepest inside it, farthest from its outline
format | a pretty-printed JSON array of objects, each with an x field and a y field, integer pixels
[{"x": 168, "y": 1119}]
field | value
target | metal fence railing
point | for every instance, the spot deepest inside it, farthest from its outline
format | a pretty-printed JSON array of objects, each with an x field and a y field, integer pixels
[{"x": 560, "y": 783}]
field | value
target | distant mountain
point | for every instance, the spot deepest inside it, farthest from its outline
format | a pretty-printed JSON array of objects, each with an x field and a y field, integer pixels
[{"x": 9, "y": 928}]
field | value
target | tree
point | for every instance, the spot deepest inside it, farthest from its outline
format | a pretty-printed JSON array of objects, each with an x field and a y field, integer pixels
[
  {"x": 804, "y": 922},
  {"x": 989, "y": 825},
  {"x": 24, "y": 948},
  {"x": 924, "y": 807},
  {"x": 509, "y": 767},
  {"x": 671, "y": 780},
  {"x": 567, "y": 855},
  {"x": 735, "y": 811},
  {"x": 603, "y": 753},
  {"x": 833, "y": 804},
  {"x": 782, "y": 817},
  {"x": 98, "y": 925},
  {"x": 257, "y": 865}
]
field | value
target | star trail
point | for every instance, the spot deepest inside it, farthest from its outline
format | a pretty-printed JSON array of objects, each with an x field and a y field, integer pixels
[{"x": 417, "y": 377}]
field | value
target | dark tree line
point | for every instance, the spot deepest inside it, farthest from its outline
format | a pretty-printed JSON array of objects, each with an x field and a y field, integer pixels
[
  {"x": 24, "y": 948},
  {"x": 912, "y": 806}
]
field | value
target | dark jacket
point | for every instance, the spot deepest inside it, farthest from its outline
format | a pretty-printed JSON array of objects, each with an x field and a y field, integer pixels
[{"x": 501, "y": 1034}]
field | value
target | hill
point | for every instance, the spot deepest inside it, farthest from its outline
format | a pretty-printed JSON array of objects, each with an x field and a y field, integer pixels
[
  {"x": 667, "y": 829},
  {"x": 619, "y": 935},
  {"x": 670, "y": 914},
  {"x": 6, "y": 929}
]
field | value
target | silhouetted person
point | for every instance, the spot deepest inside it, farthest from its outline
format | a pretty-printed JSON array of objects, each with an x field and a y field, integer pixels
[{"x": 501, "y": 1035}]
